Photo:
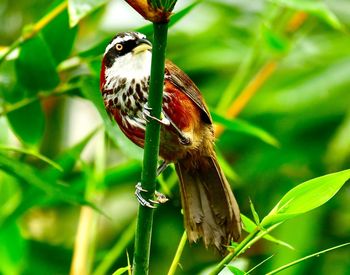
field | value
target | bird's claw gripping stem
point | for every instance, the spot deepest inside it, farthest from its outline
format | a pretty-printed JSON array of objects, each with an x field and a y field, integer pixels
[
  {"x": 166, "y": 121},
  {"x": 159, "y": 197},
  {"x": 147, "y": 114}
]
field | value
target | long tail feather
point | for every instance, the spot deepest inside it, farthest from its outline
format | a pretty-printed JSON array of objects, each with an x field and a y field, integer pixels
[{"x": 210, "y": 208}]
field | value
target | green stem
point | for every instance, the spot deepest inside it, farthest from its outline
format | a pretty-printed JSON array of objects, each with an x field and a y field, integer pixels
[
  {"x": 150, "y": 157},
  {"x": 251, "y": 239},
  {"x": 238, "y": 250},
  {"x": 117, "y": 250},
  {"x": 178, "y": 253}
]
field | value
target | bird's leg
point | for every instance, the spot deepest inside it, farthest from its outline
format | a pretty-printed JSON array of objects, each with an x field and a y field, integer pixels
[
  {"x": 162, "y": 167},
  {"x": 147, "y": 114},
  {"x": 166, "y": 121},
  {"x": 159, "y": 197}
]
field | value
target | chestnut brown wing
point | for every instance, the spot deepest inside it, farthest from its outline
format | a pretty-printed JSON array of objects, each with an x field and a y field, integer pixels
[{"x": 186, "y": 85}]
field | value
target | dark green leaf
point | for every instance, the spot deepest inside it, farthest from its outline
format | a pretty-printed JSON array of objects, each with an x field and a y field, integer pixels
[
  {"x": 69, "y": 158},
  {"x": 35, "y": 66},
  {"x": 78, "y": 9},
  {"x": 241, "y": 126},
  {"x": 28, "y": 123},
  {"x": 306, "y": 196},
  {"x": 32, "y": 176},
  {"x": 60, "y": 37}
]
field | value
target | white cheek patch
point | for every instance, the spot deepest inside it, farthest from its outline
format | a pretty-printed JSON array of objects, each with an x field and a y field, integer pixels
[{"x": 129, "y": 66}]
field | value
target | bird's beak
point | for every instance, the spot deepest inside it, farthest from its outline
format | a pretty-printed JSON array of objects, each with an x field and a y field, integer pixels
[{"x": 142, "y": 45}]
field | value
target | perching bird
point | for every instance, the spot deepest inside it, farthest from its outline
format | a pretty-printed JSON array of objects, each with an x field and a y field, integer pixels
[{"x": 186, "y": 137}]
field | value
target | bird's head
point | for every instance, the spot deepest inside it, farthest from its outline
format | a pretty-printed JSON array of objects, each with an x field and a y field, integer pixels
[{"x": 128, "y": 56}]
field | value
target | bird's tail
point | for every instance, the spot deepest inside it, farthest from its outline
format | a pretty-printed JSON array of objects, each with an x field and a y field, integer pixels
[{"x": 210, "y": 208}]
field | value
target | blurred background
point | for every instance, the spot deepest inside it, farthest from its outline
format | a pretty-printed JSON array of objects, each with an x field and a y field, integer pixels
[{"x": 281, "y": 66}]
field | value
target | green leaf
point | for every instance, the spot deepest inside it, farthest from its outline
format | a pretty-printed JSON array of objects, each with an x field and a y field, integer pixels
[
  {"x": 60, "y": 37},
  {"x": 305, "y": 258},
  {"x": 28, "y": 123},
  {"x": 68, "y": 158},
  {"x": 235, "y": 270},
  {"x": 121, "y": 270},
  {"x": 35, "y": 66},
  {"x": 241, "y": 126},
  {"x": 13, "y": 248},
  {"x": 78, "y": 9},
  {"x": 10, "y": 195},
  {"x": 255, "y": 214},
  {"x": 90, "y": 89},
  {"x": 315, "y": 7},
  {"x": 249, "y": 226},
  {"x": 306, "y": 196},
  {"x": 34, "y": 154},
  {"x": 32, "y": 176}
]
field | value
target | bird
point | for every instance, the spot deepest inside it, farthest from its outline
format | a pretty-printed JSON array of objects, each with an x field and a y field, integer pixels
[{"x": 187, "y": 136}]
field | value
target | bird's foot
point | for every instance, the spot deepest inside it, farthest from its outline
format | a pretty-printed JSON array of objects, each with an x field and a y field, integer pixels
[
  {"x": 147, "y": 115},
  {"x": 159, "y": 197}
]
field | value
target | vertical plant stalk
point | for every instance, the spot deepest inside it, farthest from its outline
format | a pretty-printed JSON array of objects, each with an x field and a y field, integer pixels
[
  {"x": 150, "y": 157},
  {"x": 85, "y": 240},
  {"x": 178, "y": 253}
]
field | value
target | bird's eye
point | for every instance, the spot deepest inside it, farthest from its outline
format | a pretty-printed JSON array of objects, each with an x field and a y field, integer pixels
[{"x": 119, "y": 47}]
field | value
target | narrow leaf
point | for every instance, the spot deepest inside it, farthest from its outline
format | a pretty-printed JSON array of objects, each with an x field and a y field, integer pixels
[
  {"x": 35, "y": 67},
  {"x": 34, "y": 154},
  {"x": 255, "y": 214},
  {"x": 305, "y": 258},
  {"x": 68, "y": 158},
  {"x": 241, "y": 126},
  {"x": 60, "y": 37},
  {"x": 28, "y": 123},
  {"x": 121, "y": 270},
  {"x": 27, "y": 173},
  {"x": 235, "y": 270},
  {"x": 307, "y": 196},
  {"x": 249, "y": 226}
]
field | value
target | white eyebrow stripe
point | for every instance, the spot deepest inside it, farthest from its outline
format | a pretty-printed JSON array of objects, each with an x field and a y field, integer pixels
[{"x": 119, "y": 39}]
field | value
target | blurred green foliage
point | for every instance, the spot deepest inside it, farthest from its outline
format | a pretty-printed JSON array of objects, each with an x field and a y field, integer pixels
[{"x": 49, "y": 94}]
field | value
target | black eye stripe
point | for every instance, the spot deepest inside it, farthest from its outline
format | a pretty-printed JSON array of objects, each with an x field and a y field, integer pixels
[{"x": 114, "y": 53}]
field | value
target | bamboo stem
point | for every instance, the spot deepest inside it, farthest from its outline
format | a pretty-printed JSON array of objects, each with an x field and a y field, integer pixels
[{"x": 150, "y": 157}]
